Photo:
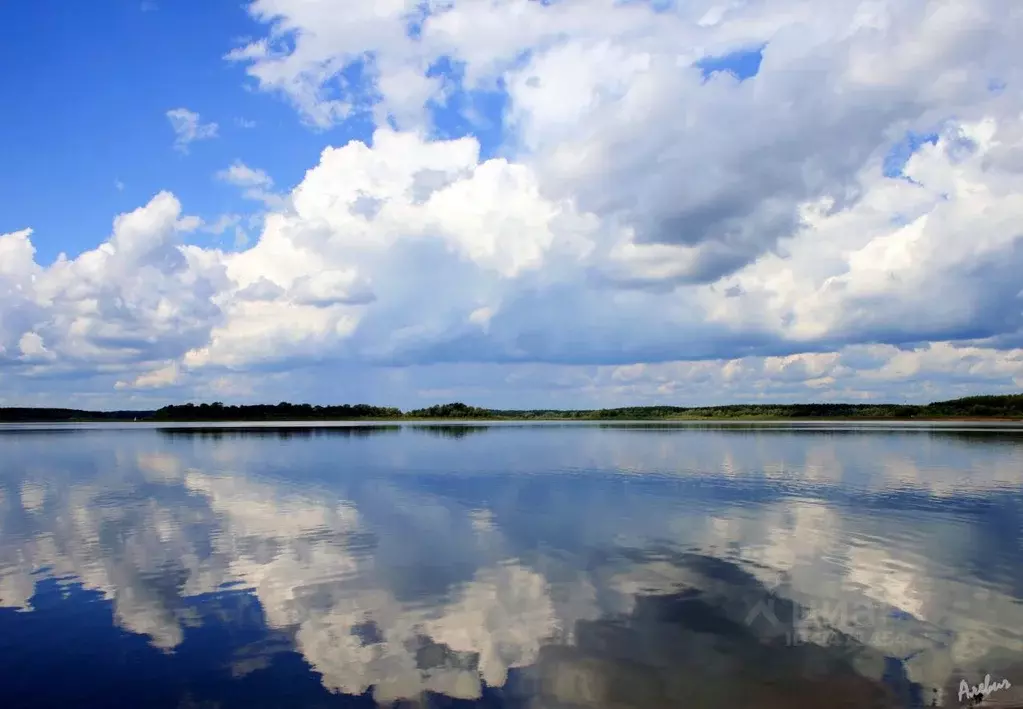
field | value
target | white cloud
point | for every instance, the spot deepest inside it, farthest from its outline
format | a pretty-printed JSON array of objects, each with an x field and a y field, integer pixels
[
  {"x": 256, "y": 184},
  {"x": 639, "y": 214},
  {"x": 140, "y": 296},
  {"x": 222, "y": 224},
  {"x": 339, "y": 275},
  {"x": 188, "y": 128},
  {"x": 596, "y": 101},
  {"x": 164, "y": 376},
  {"x": 242, "y": 175},
  {"x": 32, "y": 347}
]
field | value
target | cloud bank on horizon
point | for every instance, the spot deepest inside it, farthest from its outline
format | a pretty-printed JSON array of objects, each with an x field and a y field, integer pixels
[{"x": 570, "y": 203}]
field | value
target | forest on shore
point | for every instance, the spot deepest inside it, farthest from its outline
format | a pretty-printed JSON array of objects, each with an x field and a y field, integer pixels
[{"x": 1009, "y": 406}]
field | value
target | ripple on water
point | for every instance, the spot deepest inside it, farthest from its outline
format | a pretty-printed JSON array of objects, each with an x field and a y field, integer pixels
[{"x": 516, "y": 566}]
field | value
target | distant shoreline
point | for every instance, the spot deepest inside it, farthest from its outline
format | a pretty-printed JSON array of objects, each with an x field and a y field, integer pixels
[
  {"x": 491, "y": 420},
  {"x": 1005, "y": 408}
]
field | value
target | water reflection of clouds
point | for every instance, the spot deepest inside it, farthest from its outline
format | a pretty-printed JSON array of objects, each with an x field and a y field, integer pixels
[
  {"x": 830, "y": 559},
  {"x": 443, "y": 579},
  {"x": 289, "y": 549},
  {"x": 314, "y": 583}
]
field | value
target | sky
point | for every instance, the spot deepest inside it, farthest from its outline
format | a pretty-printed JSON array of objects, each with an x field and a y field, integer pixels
[{"x": 512, "y": 203}]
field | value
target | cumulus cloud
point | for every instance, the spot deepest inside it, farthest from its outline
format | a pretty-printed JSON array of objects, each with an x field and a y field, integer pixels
[
  {"x": 188, "y": 128},
  {"x": 140, "y": 297},
  {"x": 596, "y": 102},
  {"x": 637, "y": 208}
]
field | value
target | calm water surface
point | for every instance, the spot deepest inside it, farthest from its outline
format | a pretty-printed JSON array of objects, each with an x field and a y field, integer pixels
[{"x": 540, "y": 566}]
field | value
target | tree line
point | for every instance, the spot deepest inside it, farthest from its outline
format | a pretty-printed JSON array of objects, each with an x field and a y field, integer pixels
[{"x": 1009, "y": 406}]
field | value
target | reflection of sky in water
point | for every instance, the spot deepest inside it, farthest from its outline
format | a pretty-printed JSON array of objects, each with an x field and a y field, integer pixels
[{"x": 446, "y": 560}]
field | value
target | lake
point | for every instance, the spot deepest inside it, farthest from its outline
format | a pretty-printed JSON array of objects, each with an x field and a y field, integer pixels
[{"x": 510, "y": 565}]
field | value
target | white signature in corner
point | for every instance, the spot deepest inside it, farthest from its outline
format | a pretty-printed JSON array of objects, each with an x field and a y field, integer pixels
[{"x": 981, "y": 690}]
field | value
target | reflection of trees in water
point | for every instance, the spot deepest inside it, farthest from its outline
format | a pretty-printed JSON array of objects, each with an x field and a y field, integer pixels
[
  {"x": 450, "y": 430},
  {"x": 985, "y": 438},
  {"x": 217, "y": 433},
  {"x": 277, "y": 432},
  {"x": 1008, "y": 435},
  {"x": 36, "y": 432}
]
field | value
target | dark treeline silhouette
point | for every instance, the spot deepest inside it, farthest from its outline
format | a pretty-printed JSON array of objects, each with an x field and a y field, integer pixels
[
  {"x": 1009, "y": 406},
  {"x": 1000, "y": 406},
  {"x": 19, "y": 414},
  {"x": 283, "y": 411},
  {"x": 456, "y": 410},
  {"x": 734, "y": 411}
]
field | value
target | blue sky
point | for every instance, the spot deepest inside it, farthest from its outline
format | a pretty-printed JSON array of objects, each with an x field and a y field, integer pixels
[
  {"x": 613, "y": 202},
  {"x": 91, "y": 114}
]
